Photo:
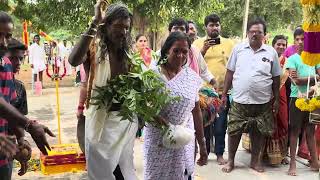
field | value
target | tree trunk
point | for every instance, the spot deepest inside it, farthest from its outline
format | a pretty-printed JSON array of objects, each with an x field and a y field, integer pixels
[{"x": 140, "y": 22}]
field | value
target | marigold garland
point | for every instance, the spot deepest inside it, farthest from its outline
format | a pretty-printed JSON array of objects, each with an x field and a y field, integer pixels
[
  {"x": 303, "y": 2},
  {"x": 311, "y": 14},
  {"x": 310, "y": 59},
  {"x": 307, "y": 104},
  {"x": 311, "y": 23},
  {"x": 311, "y": 27}
]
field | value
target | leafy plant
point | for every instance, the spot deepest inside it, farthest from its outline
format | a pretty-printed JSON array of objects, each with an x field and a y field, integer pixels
[{"x": 139, "y": 92}]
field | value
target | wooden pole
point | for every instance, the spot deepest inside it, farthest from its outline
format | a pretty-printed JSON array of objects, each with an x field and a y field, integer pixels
[{"x": 245, "y": 19}]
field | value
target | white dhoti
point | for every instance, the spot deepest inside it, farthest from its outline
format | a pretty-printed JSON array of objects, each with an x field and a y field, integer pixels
[
  {"x": 109, "y": 140},
  {"x": 115, "y": 147}
]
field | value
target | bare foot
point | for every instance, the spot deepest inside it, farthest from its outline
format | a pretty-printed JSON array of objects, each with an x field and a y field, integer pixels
[
  {"x": 257, "y": 168},
  {"x": 292, "y": 170},
  {"x": 221, "y": 161},
  {"x": 255, "y": 164},
  {"x": 314, "y": 166},
  {"x": 228, "y": 167}
]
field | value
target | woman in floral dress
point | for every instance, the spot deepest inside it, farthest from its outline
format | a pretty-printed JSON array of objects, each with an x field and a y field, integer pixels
[{"x": 163, "y": 163}]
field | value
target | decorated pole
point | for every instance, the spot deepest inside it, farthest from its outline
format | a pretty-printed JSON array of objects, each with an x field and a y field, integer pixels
[
  {"x": 311, "y": 56},
  {"x": 56, "y": 77},
  {"x": 311, "y": 27},
  {"x": 25, "y": 34},
  {"x": 63, "y": 157},
  {"x": 45, "y": 35}
]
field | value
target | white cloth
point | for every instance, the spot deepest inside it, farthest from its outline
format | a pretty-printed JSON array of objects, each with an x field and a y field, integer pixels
[
  {"x": 63, "y": 53},
  {"x": 37, "y": 57},
  {"x": 109, "y": 140},
  {"x": 253, "y": 73}
]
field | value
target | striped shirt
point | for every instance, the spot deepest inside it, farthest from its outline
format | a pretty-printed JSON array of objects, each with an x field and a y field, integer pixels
[{"x": 7, "y": 91}]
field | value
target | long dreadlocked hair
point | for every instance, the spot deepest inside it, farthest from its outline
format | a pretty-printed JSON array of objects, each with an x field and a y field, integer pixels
[{"x": 114, "y": 12}]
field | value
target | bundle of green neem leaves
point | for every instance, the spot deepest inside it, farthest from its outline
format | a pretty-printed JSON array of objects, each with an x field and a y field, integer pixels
[{"x": 140, "y": 93}]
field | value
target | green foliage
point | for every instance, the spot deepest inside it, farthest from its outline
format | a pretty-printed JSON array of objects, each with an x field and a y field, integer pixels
[
  {"x": 50, "y": 15},
  {"x": 74, "y": 15},
  {"x": 140, "y": 93},
  {"x": 285, "y": 32},
  {"x": 159, "y": 13},
  {"x": 61, "y": 34},
  {"x": 4, "y": 5},
  {"x": 277, "y": 14}
]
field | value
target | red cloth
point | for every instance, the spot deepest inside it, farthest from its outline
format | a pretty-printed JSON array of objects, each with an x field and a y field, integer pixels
[
  {"x": 303, "y": 148},
  {"x": 317, "y": 134},
  {"x": 282, "y": 116},
  {"x": 276, "y": 146},
  {"x": 303, "y": 151}
]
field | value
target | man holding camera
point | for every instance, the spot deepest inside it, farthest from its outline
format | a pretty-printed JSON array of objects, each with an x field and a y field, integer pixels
[{"x": 216, "y": 51}]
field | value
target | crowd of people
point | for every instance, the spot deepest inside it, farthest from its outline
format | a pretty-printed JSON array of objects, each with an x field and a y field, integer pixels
[{"x": 257, "y": 84}]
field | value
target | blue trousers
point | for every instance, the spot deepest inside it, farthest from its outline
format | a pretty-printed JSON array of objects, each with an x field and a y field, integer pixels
[{"x": 218, "y": 130}]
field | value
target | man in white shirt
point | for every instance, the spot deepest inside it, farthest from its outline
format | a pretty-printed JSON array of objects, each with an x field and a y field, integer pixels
[
  {"x": 254, "y": 72},
  {"x": 63, "y": 53},
  {"x": 37, "y": 58}
]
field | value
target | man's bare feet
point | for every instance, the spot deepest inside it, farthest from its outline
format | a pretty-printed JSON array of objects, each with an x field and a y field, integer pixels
[
  {"x": 255, "y": 163},
  {"x": 221, "y": 161},
  {"x": 228, "y": 167},
  {"x": 314, "y": 166},
  {"x": 257, "y": 167},
  {"x": 292, "y": 169}
]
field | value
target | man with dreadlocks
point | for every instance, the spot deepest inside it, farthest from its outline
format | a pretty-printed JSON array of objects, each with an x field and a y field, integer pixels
[{"x": 108, "y": 140}]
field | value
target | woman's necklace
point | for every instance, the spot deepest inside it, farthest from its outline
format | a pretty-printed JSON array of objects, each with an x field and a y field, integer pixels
[{"x": 168, "y": 74}]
